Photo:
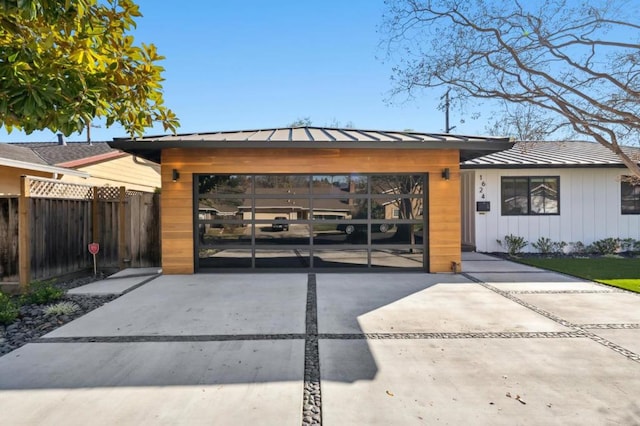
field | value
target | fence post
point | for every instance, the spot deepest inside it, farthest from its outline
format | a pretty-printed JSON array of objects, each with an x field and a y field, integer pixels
[
  {"x": 24, "y": 238},
  {"x": 95, "y": 230},
  {"x": 121, "y": 227}
]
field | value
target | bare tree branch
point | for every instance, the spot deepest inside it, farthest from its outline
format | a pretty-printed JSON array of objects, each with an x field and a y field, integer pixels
[{"x": 579, "y": 62}]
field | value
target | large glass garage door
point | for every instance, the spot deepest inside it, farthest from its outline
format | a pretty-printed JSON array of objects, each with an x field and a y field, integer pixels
[{"x": 318, "y": 222}]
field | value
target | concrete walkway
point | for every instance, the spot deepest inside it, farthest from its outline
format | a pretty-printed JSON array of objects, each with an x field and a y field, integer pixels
[{"x": 500, "y": 344}]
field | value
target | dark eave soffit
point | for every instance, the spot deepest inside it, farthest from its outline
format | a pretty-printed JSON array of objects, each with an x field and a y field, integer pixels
[{"x": 152, "y": 150}]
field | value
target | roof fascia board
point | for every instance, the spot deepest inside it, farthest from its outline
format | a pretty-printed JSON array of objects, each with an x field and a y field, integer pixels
[
  {"x": 86, "y": 161},
  {"x": 42, "y": 168}
]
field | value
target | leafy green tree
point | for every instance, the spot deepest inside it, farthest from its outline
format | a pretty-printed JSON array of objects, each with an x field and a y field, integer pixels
[
  {"x": 63, "y": 63},
  {"x": 576, "y": 62}
]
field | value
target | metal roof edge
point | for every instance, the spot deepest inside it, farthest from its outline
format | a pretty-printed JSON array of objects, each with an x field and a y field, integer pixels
[
  {"x": 494, "y": 145},
  {"x": 542, "y": 166}
]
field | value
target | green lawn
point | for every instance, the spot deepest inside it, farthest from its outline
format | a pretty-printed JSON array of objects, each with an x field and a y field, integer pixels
[{"x": 623, "y": 273}]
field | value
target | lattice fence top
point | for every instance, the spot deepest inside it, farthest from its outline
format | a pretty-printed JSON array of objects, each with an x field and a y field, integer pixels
[
  {"x": 108, "y": 193},
  {"x": 133, "y": 193},
  {"x": 52, "y": 188}
]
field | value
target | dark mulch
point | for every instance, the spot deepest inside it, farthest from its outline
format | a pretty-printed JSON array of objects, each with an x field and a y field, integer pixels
[{"x": 33, "y": 323}]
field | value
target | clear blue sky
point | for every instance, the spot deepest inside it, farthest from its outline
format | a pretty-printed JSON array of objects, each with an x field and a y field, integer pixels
[{"x": 259, "y": 64}]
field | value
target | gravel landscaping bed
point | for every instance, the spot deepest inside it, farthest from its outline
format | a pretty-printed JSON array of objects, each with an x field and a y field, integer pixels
[{"x": 33, "y": 322}]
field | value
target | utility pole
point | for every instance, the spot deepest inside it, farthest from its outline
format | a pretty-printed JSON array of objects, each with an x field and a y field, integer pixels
[
  {"x": 447, "y": 129},
  {"x": 88, "y": 127}
]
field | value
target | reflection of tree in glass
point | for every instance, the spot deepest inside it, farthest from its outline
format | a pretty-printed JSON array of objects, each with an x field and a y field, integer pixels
[
  {"x": 223, "y": 184},
  {"x": 284, "y": 182},
  {"x": 409, "y": 208}
]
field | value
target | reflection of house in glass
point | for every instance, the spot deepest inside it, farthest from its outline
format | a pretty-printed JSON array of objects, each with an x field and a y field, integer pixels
[
  {"x": 530, "y": 195},
  {"x": 544, "y": 197},
  {"x": 208, "y": 210},
  {"x": 296, "y": 208}
]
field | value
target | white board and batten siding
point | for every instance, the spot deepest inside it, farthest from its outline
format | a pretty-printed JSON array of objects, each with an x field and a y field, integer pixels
[{"x": 590, "y": 208}]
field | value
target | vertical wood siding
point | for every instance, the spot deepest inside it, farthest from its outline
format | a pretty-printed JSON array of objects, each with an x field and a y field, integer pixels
[
  {"x": 589, "y": 209},
  {"x": 177, "y": 197}
]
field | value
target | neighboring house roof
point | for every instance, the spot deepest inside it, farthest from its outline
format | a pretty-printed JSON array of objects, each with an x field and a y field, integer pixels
[
  {"x": 149, "y": 147},
  {"x": 552, "y": 154},
  {"x": 19, "y": 153},
  {"x": 24, "y": 158},
  {"x": 73, "y": 154}
]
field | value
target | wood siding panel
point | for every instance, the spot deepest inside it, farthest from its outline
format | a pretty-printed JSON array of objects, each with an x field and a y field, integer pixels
[{"x": 177, "y": 197}]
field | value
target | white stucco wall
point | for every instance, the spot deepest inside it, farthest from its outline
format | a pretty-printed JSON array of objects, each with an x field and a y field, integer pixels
[{"x": 589, "y": 209}]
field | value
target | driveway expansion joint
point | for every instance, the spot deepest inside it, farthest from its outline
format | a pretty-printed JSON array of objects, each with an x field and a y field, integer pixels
[{"x": 140, "y": 284}]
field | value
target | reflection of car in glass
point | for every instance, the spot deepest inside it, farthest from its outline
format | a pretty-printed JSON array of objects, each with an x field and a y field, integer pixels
[
  {"x": 279, "y": 225},
  {"x": 349, "y": 228}
]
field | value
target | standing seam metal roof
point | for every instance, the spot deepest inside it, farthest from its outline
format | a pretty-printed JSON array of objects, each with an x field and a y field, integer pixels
[
  {"x": 150, "y": 147},
  {"x": 314, "y": 134},
  {"x": 547, "y": 154}
]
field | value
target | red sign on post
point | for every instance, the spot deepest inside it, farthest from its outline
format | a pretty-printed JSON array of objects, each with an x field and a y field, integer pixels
[{"x": 94, "y": 248}]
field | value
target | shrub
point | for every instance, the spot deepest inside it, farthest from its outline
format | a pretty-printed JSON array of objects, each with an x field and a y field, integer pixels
[
  {"x": 42, "y": 292},
  {"x": 605, "y": 246},
  {"x": 61, "y": 308},
  {"x": 578, "y": 248},
  {"x": 8, "y": 309},
  {"x": 544, "y": 245},
  {"x": 513, "y": 244},
  {"x": 628, "y": 244},
  {"x": 558, "y": 247}
]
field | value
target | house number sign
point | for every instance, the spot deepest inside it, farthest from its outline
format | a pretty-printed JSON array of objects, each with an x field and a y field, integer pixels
[
  {"x": 482, "y": 189},
  {"x": 482, "y": 206}
]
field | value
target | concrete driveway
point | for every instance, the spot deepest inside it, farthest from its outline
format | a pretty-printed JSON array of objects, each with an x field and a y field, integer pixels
[{"x": 500, "y": 344}]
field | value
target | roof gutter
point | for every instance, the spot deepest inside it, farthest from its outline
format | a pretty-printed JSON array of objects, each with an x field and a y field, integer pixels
[{"x": 42, "y": 168}]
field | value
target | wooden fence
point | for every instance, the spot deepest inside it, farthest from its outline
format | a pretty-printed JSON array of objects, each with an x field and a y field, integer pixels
[
  {"x": 57, "y": 221},
  {"x": 9, "y": 238}
]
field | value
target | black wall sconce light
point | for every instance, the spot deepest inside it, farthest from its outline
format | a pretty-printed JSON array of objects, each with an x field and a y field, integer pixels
[
  {"x": 446, "y": 174},
  {"x": 175, "y": 175}
]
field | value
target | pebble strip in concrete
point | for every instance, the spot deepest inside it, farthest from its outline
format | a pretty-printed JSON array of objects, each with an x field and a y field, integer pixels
[{"x": 311, "y": 399}]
